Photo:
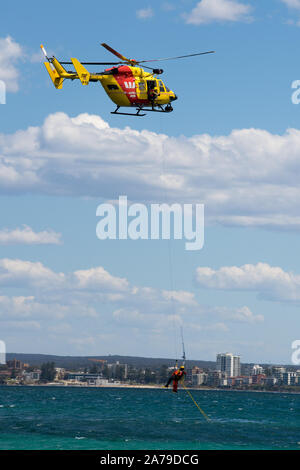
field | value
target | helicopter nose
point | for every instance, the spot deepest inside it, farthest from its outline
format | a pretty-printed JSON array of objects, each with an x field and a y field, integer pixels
[{"x": 173, "y": 98}]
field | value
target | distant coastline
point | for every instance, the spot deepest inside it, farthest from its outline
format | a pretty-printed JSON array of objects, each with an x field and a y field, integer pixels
[
  {"x": 150, "y": 387},
  {"x": 142, "y": 373}
]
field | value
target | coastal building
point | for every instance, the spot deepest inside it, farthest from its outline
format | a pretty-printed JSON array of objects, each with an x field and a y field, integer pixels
[
  {"x": 229, "y": 363},
  {"x": 224, "y": 382},
  {"x": 290, "y": 378},
  {"x": 231, "y": 381},
  {"x": 247, "y": 380},
  {"x": 238, "y": 381},
  {"x": 256, "y": 370},
  {"x": 197, "y": 377},
  {"x": 81, "y": 377},
  {"x": 189, "y": 375},
  {"x": 214, "y": 378},
  {"x": 192, "y": 375},
  {"x": 278, "y": 373},
  {"x": 270, "y": 381},
  {"x": 116, "y": 369},
  {"x": 200, "y": 378},
  {"x": 258, "y": 379},
  {"x": 32, "y": 377},
  {"x": 14, "y": 364},
  {"x": 60, "y": 373},
  {"x": 97, "y": 381}
]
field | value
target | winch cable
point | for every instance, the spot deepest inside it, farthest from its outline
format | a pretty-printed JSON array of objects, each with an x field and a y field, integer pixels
[
  {"x": 163, "y": 176},
  {"x": 171, "y": 271},
  {"x": 183, "y": 384}
]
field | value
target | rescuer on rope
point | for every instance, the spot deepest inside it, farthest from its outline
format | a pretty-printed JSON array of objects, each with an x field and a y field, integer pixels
[{"x": 177, "y": 375}]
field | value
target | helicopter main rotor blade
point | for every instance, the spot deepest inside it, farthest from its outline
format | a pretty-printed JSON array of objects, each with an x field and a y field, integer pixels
[
  {"x": 133, "y": 61},
  {"x": 122, "y": 57},
  {"x": 178, "y": 57}
]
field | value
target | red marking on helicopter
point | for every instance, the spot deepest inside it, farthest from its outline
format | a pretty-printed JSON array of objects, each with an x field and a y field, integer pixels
[{"x": 126, "y": 80}]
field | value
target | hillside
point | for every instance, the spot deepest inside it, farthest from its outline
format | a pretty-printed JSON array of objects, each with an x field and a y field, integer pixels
[{"x": 76, "y": 362}]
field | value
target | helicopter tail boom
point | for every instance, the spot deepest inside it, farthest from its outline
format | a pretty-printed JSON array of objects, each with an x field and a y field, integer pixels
[{"x": 58, "y": 73}]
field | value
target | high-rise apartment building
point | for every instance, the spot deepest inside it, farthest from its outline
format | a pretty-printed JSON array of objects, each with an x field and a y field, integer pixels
[{"x": 229, "y": 363}]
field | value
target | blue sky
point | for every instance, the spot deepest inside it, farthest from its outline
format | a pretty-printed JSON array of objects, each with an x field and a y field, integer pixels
[{"x": 231, "y": 143}]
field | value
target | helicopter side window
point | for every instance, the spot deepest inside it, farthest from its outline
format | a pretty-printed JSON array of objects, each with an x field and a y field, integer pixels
[
  {"x": 161, "y": 86},
  {"x": 142, "y": 86}
]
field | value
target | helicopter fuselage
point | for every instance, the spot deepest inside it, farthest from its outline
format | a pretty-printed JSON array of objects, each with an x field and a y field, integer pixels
[
  {"x": 130, "y": 86},
  {"x": 126, "y": 85}
]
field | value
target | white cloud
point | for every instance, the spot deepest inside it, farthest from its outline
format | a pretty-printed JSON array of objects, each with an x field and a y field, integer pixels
[
  {"x": 10, "y": 53},
  {"x": 99, "y": 278},
  {"x": 132, "y": 317},
  {"x": 16, "y": 307},
  {"x": 26, "y": 236},
  {"x": 145, "y": 13},
  {"x": 246, "y": 178},
  {"x": 292, "y": 3},
  {"x": 276, "y": 221},
  {"x": 15, "y": 272},
  {"x": 208, "y": 11},
  {"x": 27, "y": 308},
  {"x": 104, "y": 301},
  {"x": 187, "y": 298},
  {"x": 270, "y": 282},
  {"x": 243, "y": 314}
]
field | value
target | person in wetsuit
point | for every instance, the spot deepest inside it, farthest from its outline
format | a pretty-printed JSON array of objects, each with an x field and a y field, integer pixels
[
  {"x": 152, "y": 95},
  {"x": 177, "y": 375}
]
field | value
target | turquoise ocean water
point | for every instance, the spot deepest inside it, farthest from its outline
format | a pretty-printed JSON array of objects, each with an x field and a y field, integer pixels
[{"x": 128, "y": 419}]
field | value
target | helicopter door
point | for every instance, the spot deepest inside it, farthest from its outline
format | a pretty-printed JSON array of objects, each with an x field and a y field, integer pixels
[
  {"x": 152, "y": 89},
  {"x": 151, "y": 84}
]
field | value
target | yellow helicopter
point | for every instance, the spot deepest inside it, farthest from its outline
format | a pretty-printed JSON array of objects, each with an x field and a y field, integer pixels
[{"x": 126, "y": 83}]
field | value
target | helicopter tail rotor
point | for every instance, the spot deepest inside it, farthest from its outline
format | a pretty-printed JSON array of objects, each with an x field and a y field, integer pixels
[
  {"x": 46, "y": 57},
  {"x": 54, "y": 68},
  {"x": 44, "y": 52}
]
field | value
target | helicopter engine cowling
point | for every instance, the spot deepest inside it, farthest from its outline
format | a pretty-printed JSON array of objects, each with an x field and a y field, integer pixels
[{"x": 158, "y": 71}]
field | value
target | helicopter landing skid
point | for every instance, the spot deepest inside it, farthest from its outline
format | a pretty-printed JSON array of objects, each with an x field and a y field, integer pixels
[
  {"x": 161, "y": 110},
  {"x": 128, "y": 114}
]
